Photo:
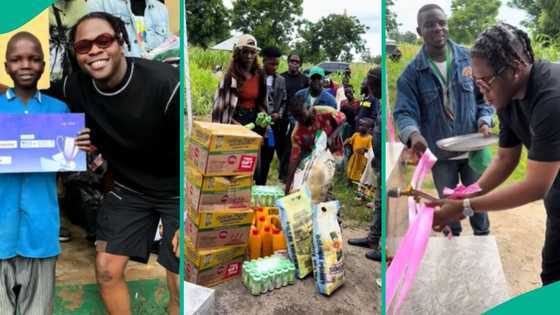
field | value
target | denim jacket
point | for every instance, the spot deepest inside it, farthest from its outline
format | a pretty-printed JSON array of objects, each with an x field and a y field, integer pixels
[
  {"x": 419, "y": 103},
  {"x": 156, "y": 22}
]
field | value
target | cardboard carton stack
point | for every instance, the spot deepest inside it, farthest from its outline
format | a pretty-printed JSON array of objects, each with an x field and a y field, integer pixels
[{"x": 221, "y": 160}]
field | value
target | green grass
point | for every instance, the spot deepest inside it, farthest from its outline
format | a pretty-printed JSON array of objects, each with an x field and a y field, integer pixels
[{"x": 409, "y": 51}]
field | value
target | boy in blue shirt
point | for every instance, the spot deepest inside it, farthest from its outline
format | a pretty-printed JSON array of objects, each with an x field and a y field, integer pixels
[{"x": 29, "y": 213}]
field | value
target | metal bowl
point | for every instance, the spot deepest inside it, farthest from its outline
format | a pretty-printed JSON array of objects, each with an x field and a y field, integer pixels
[{"x": 467, "y": 143}]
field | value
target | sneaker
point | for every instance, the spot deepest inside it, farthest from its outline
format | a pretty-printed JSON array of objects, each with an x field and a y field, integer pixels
[
  {"x": 64, "y": 235},
  {"x": 362, "y": 242},
  {"x": 374, "y": 255}
]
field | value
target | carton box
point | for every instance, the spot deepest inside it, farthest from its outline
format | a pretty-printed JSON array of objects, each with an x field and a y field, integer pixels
[
  {"x": 206, "y": 238},
  {"x": 206, "y": 258},
  {"x": 222, "y": 150},
  {"x": 217, "y": 192},
  {"x": 221, "y": 218},
  {"x": 214, "y": 275}
]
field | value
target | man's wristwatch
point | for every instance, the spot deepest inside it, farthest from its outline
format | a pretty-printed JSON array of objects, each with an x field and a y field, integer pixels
[{"x": 467, "y": 209}]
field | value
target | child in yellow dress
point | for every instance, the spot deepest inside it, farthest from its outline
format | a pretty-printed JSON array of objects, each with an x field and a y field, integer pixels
[{"x": 360, "y": 141}]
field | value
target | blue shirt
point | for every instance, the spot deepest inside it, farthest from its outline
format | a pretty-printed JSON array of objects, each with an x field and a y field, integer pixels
[
  {"x": 29, "y": 215},
  {"x": 325, "y": 98},
  {"x": 419, "y": 104}
]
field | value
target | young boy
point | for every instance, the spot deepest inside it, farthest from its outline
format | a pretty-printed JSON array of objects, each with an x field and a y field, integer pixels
[{"x": 29, "y": 214}]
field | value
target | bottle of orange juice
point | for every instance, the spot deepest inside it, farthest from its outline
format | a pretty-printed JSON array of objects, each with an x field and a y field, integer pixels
[
  {"x": 267, "y": 241},
  {"x": 261, "y": 220},
  {"x": 278, "y": 241},
  {"x": 255, "y": 244}
]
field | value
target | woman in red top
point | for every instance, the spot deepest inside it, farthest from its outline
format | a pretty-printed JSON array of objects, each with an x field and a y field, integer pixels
[{"x": 242, "y": 92}]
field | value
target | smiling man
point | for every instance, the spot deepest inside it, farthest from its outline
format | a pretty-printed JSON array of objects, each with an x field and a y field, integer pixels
[
  {"x": 132, "y": 109},
  {"x": 436, "y": 99}
]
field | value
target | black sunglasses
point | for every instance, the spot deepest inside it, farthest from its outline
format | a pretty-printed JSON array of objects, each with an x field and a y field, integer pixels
[{"x": 102, "y": 41}]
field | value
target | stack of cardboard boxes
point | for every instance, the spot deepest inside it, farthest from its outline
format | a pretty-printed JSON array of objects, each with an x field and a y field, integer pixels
[{"x": 221, "y": 160}]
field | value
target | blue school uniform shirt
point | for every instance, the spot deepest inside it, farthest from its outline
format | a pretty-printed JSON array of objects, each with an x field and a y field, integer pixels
[{"x": 29, "y": 214}]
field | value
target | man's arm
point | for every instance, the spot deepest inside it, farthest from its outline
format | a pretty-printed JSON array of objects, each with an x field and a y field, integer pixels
[
  {"x": 538, "y": 180},
  {"x": 503, "y": 164}
]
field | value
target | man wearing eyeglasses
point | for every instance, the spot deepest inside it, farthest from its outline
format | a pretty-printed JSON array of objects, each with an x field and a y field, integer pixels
[{"x": 436, "y": 99}]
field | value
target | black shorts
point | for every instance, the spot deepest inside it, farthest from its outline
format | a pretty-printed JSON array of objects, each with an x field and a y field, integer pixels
[{"x": 127, "y": 223}]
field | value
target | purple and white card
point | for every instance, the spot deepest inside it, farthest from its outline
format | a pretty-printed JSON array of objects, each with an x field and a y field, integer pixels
[{"x": 40, "y": 143}]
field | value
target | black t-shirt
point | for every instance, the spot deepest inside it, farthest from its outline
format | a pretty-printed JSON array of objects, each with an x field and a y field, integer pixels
[
  {"x": 135, "y": 126},
  {"x": 535, "y": 120},
  {"x": 294, "y": 83}
]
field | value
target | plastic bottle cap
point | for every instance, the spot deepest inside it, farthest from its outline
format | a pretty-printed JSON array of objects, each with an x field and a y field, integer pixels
[
  {"x": 260, "y": 210},
  {"x": 276, "y": 231},
  {"x": 267, "y": 228},
  {"x": 262, "y": 218},
  {"x": 255, "y": 232}
]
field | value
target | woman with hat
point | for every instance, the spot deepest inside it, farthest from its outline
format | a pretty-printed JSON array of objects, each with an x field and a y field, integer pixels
[{"x": 242, "y": 92}]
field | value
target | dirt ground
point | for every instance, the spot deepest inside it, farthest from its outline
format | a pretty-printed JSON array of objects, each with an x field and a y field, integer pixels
[
  {"x": 75, "y": 265},
  {"x": 358, "y": 295},
  {"x": 520, "y": 236}
]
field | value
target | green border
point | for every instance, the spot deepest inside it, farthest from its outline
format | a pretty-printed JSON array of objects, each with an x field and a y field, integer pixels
[
  {"x": 181, "y": 158},
  {"x": 17, "y": 13},
  {"x": 383, "y": 154}
]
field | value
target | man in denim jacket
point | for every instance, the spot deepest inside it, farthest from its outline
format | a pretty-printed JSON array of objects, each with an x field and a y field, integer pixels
[
  {"x": 436, "y": 99},
  {"x": 150, "y": 15}
]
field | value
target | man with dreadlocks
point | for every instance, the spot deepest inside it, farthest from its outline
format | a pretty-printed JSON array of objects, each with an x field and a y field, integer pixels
[
  {"x": 132, "y": 108},
  {"x": 526, "y": 95},
  {"x": 436, "y": 99}
]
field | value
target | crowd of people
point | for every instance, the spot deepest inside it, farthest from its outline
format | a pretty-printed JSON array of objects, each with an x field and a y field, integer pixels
[
  {"x": 132, "y": 115},
  {"x": 298, "y": 106}
]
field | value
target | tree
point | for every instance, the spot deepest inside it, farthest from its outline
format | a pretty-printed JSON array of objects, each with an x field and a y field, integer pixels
[
  {"x": 207, "y": 22},
  {"x": 543, "y": 16},
  {"x": 335, "y": 36},
  {"x": 367, "y": 57},
  {"x": 470, "y": 17},
  {"x": 532, "y": 9},
  {"x": 392, "y": 26},
  {"x": 408, "y": 37},
  {"x": 271, "y": 21}
]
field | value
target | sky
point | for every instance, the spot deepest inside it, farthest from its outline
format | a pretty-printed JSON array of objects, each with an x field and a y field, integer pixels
[
  {"x": 367, "y": 11},
  {"x": 406, "y": 13}
]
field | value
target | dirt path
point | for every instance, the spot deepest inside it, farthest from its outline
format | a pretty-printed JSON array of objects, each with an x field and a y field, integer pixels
[
  {"x": 359, "y": 294},
  {"x": 520, "y": 236}
]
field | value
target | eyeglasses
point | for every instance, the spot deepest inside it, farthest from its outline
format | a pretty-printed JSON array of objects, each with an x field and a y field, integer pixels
[
  {"x": 102, "y": 41},
  {"x": 489, "y": 81}
]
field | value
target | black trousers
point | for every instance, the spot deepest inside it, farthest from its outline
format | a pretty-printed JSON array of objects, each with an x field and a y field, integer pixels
[
  {"x": 551, "y": 250},
  {"x": 267, "y": 154}
]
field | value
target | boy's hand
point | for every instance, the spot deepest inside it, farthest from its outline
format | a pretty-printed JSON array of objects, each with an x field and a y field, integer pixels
[
  {"x": 175, "y": 243},
  {"x": 82, "y": 140}
]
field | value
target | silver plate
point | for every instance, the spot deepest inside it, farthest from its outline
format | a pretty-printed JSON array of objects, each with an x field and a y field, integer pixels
[{"x": 467, "y": 143}]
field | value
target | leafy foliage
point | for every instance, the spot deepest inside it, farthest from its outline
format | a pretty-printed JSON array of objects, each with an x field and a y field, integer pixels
[
  {"x": 470, "y": 17},
  {"x": 271, "y": 21},
  {"x": 207, "y": 22}
]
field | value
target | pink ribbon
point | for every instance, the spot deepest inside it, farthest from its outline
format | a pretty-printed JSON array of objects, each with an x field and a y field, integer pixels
[
  {"x": 461, "y": 191},
  {"x": 390, "y": 127},
  {"x": 405, "y": 264},
  {"x": 424, "y": 166},
  {"x": 402, "y": 271}
]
